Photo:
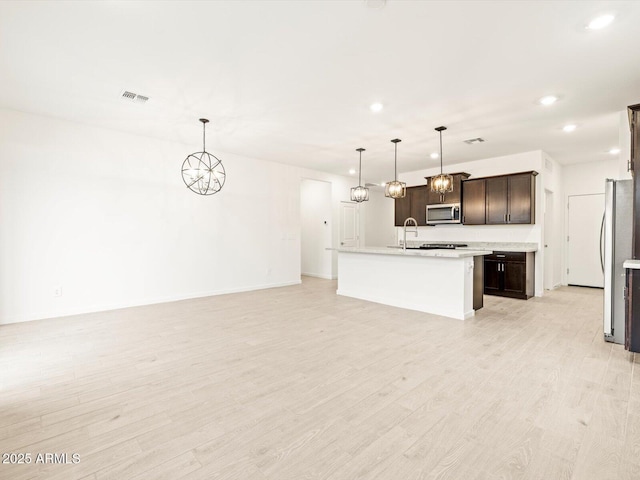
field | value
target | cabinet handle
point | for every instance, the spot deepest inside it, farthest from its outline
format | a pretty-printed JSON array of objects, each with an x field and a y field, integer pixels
[
  {"x": 509, "y": 218},
  {"x": 505, "y": 218},
  {"x": 500, "y": 256}
]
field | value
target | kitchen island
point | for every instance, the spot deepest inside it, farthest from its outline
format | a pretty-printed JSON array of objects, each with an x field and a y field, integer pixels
[{"x": 441, "y": 282}]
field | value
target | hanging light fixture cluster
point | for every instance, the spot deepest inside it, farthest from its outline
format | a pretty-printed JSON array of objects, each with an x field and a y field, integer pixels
[
  {"x": 203, "y": 172},
  {"x": 442, "y": 183},
  {"x": 395, "y": 189},
  {"x": 360, "y": 194}
]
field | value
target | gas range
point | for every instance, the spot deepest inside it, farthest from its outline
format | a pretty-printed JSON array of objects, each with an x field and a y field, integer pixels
[{"x": 438, "y": 246}]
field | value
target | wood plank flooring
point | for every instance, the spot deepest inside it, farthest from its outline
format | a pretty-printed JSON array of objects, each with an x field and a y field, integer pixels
[{"x": 299, "y": 383}]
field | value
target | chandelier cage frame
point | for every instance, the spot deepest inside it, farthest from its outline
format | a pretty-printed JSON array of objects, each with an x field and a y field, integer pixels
[
  {"x": 203, "y": 172},
  {"x": 395, "y": 189},
  {"x": 442, "y": 183},
  {"x": 359, "y": 194}
]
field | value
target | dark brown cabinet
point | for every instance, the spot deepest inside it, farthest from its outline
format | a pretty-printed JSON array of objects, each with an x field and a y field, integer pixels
[
  {"x": 402, "y": 209},
  {"x": 511, "y": 199},
  {"x": 414, "y": 204},
  {"x": 499, "y": 200},
  {"x": 473, "y": 202},
  {"x": 632, "y": 293},
  {"x": 450, "y": 197},
  {"x": 496, "y": 200},
  {"x": 509, "y": 274}
]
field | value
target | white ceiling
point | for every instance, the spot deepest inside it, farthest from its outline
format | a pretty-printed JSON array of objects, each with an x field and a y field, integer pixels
[{"x": 292, "y": 81}]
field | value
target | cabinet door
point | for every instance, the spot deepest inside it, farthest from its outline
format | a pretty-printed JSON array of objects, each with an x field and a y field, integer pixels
[
  {"x": 402, "y": 209},
  {"x": 521, "y": 199},
  {"x": 515, "y": 277},
  {"x": 492, "y": 276},
  {"x": 456, "y": 195},
  {"x": 449, "y": 197},
  {"x": 433, "y": 198},
  {"x": 473, "y": 202},
  {"x": 496, "y": 195},
  {"x": 419, "y": 203}
]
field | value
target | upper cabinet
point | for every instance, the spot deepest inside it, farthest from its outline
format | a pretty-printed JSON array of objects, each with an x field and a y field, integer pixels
[
  {"x": 499, "y": 200},
  {"x": 507, "y": 199},
  {"x": 473, "y": 204},
  {"x": 449, "y": 197},
  {"x": 414, "y": 204}
]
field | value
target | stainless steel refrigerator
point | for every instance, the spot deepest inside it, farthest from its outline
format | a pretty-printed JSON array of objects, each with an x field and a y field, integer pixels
[{"x": 615, "y": 248}]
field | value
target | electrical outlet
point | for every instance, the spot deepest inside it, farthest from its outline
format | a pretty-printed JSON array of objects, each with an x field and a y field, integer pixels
[{"x": 57, "y": 291}]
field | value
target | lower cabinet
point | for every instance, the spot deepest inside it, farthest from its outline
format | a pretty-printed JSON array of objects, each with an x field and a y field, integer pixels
[
  {"x": 509, "y": 274},
  {"x": 632, "y": 304}
]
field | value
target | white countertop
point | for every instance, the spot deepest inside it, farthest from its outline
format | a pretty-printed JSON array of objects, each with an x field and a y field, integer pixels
[
  {"x": 457, "y": 253},
  {"x": 493, "y": 246},
  {"x": 632, "y": 264}
]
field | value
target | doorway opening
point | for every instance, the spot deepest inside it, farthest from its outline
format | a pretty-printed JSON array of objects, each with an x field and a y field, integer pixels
[
  {"x": 315, "y": 226},
  {"x": 549, "y": 251}
]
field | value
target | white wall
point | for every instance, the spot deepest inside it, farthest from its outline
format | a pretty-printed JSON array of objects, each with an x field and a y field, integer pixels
[
  {"x": 585, "y": 179},
  {"x": 316, "y": 224},
  {"x": 106, "y": 216},
  {"x": 379, "y": 219}
]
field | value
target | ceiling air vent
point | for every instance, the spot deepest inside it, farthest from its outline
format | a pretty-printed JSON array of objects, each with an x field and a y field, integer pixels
[
  {"x": 472, "y": 141},
  {"x": 133, "y": 97}
]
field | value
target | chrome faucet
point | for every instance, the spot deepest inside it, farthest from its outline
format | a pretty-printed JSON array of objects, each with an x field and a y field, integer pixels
[{"x": 406, "y": 222}]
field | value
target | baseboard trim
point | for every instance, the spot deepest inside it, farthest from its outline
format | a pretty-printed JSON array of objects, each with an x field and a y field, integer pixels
[
  {"x": 141, "y": 303},
  {"x": 317, "y": 275}
]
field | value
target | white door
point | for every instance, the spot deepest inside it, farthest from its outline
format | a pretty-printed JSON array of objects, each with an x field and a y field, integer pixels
[
  {"x": 349, "y": 224},
  {"x": 583, "y": 242}
]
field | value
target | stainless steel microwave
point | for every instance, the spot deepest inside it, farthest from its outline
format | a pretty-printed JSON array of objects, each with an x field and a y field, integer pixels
[{"x": 443, "y": 213}]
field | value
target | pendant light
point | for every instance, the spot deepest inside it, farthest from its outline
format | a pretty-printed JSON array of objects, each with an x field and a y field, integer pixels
[
  {"x": 359, "y": 193},
  {"x": 203, "y": 172},
  {"x": 442, "y": 183},
  {"x": 395, "y": 189}
]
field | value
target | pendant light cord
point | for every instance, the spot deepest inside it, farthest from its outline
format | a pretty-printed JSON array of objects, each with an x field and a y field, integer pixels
[
  {"x": 360, "y": 171},
  {"x": 441, "y": 152},
  {"x": 204, "y": 125},
  {"x": 395, "y": 164}
]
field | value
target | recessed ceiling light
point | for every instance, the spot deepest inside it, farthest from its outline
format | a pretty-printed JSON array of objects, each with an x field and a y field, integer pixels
[
  {"x": 548, "y": 100},
  {"x": 569, "y": 128},
  {"x": 600, "y": 22},
  {"x": 376, "y": 107},
  {"x": 352, "y": 171},
  {"x": 434, "y": 155},
  {"x": 614, "y": 151}
]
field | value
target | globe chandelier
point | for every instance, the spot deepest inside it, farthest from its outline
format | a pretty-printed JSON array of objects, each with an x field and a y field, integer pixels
[{"x": 203, "y": 172}]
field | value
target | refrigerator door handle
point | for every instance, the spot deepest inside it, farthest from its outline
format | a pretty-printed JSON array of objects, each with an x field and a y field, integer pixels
[
  {"x": 609, "y": 225},
  {"x": 602, "y": 243}
]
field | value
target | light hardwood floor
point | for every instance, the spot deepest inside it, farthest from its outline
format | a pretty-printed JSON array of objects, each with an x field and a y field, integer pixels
[{"x": 299, "y": 383}]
